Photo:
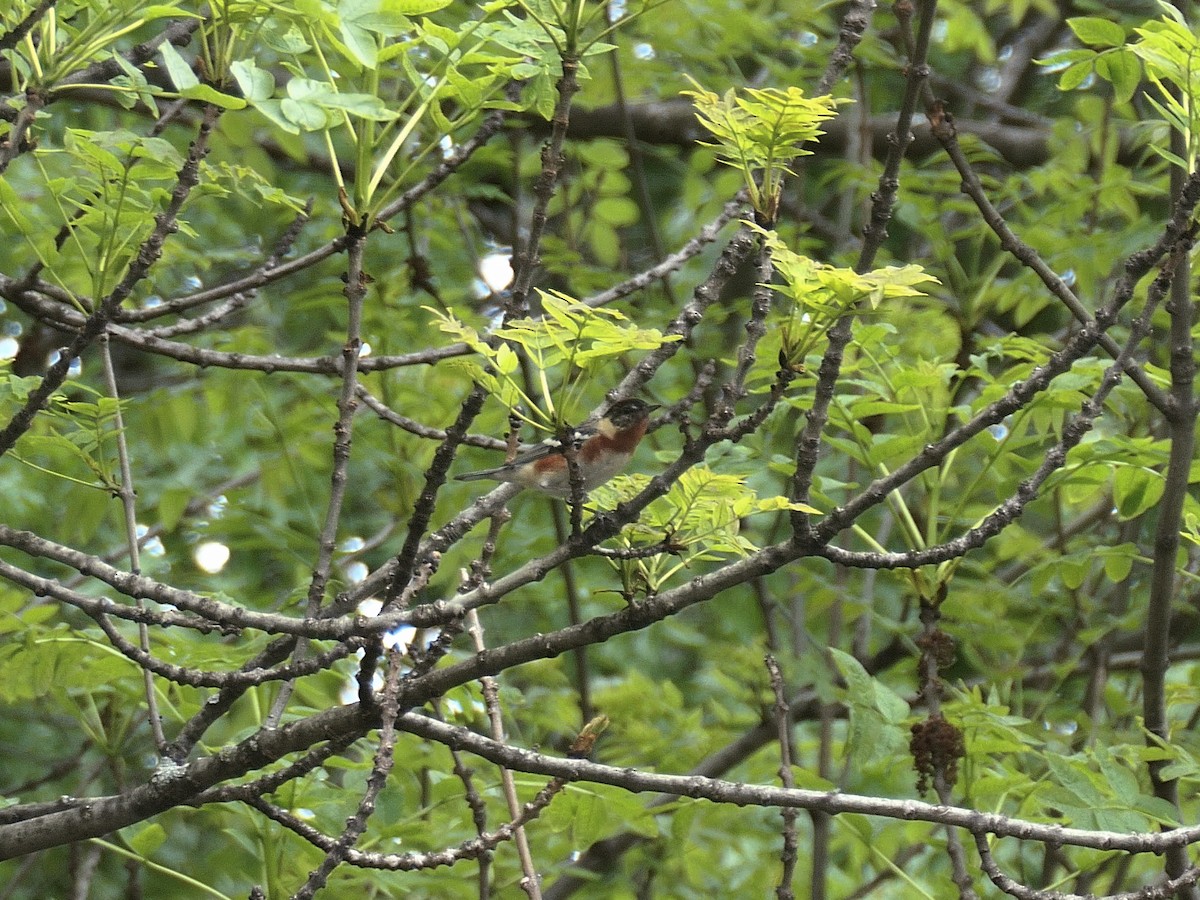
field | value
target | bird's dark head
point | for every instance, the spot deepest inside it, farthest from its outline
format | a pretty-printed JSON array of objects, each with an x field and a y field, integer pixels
[{"x": 627, "y": 413}]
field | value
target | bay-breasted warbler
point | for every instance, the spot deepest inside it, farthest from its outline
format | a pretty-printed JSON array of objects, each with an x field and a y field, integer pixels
[{"x": 605, "y": 448}]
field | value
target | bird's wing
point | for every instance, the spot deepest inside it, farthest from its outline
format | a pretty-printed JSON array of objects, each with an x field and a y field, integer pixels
[{"x": 528, "y": 453}]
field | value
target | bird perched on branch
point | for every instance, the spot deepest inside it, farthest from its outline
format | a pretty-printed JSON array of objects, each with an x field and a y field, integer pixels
[{"x": 604, "y": 449}]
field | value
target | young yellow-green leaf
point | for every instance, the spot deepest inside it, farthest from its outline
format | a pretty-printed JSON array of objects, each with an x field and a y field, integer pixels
[
  {"x": 571, "y": 337},
  {"x": 424, "y": 7},
  {"x": 574, "y": 331},
  {"x": 821, "y": 294},
  {"x": 506, "y": 361},
  {"x": 702, "y": 513},
  {"x": 763, "y": 128},
  {"x": 758, "y": 134},
  {"x": 453, "y": 327},
  {"x": 772, "y": 504},
  {"x": 1169, "y": 51}
]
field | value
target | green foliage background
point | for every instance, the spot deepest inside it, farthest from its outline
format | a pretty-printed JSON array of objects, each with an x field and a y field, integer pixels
[{"x": 368, "y": 97}]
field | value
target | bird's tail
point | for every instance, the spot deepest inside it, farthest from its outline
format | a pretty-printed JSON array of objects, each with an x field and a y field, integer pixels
[{"x": 477, "y": 476}]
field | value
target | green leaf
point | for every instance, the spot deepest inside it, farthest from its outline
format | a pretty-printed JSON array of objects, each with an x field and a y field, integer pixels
[
  {"x": 417, "y": 7},
  {"x": 545, "y": 95},
  {"x": 284, "y": 38},
  {"x": 171, "y": 504},
  {"x": 189, "y": 85},
  {"x": 1182, "y": 765},
  {"x": 1118, "y": 562},
  {"x": 1064, "y": 57},
  {"x": 1090, "y": 799},
  {"x": 365, "y": 106},
  {"x": 362, "y": 44},
  {"x": 145, "y": 839},
  {"x": 1097, "y": 32},
  {"x": 136, "y": 81},
  {"x": 506, "y": 361},
  {"x": 1073, "y": 571},
  {"x": 1074, "y": 75},
  {"x": 273, "y": 110},
  {"x": 1135, "y": 490},
  {"x": 306, "y": 116},
  {"x": 256, "y": 84},
  {"x": 208, "y": 94},
  {"x": 1123, "y": 70},
  {"x": 619, "y": 212},
  {"x": 1163, "y": 812},
  {"x": 181, "y": 73},
  {"x": 876, "y": 712},
  {"x": 1072, "y": 775},
  {"x": 589, "y": 813},
  {"x": 758, "y": 134}
]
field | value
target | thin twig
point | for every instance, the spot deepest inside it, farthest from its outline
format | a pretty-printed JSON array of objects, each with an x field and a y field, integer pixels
[
  {"x": 245, "y": 677},
  {"x": 756, "y": 328},
  {"x": 60, "y": 315},
  {"x": 943, "y": 743},
  {"x": 787, "y": 779},
  {"x": 641, "y": 187},
  {"x": 382, "y": 766},
  {"x": 347, "y": 404},
  {"x": 854, "y": 24},
  {"x": 583, "y": 678},
  {"x": 478, "y": 807},
  {"x": 99, "y": 815},
  {"x": 704, "y": 236},
  {"x": 1163, "y": 891},
  {"x": 15, "y": 142},
  {"x": 833, "y": 802},
  {"x": 129, "y": 507},
  {"x": 477, "y": 848},
  {"x": 412, "y": 426},
  {"x": 435, "y": 476},
  {"x": 526, "y": 260},
  {"x": 531, "y": 882}
]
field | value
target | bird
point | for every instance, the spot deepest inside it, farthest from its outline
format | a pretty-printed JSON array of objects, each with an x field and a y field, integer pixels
[{"x": 604, "y": 449}]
